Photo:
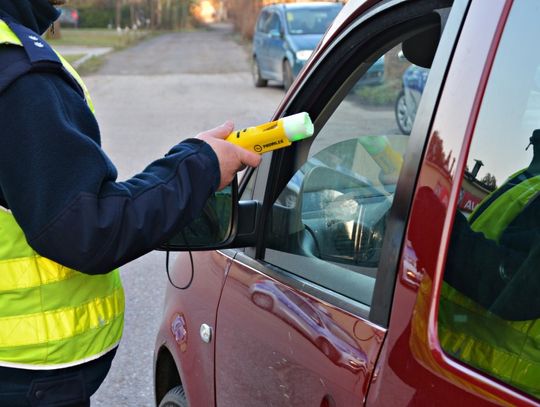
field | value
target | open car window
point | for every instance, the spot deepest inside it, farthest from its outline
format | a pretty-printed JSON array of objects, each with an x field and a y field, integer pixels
[{"x": 329, "y": 222}]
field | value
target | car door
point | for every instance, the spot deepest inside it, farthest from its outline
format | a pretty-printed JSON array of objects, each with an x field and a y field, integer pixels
[
  {"x": 275, "y": 45},
  {"x": 260, "y": 39},
  {"x": 465, "y": 319},
  {"x": 303, "y": 314}
]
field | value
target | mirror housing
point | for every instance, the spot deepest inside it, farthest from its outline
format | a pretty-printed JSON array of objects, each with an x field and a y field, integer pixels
[{"x": 224, "y": 223}]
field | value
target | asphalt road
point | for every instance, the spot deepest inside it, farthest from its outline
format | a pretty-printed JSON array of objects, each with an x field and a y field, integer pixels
[{"x": 147, "y": 99}]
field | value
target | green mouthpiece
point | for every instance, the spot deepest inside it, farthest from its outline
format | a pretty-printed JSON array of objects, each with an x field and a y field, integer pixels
[{"x": 298, "y": 126}]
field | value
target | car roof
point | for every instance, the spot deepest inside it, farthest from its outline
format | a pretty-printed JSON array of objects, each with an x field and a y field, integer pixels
[{"x": 349, "y": 11}]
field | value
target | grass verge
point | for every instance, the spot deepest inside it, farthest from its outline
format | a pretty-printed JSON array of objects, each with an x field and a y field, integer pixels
[
  {"x": 97, "y": 38},
  {"x": 73, "y": 57},
  {"x": 91, "y": 66},
  {"x": 384, "y": 94}
]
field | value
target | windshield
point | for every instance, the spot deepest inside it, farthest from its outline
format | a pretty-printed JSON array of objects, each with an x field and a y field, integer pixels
[{"x": 311, "y": 20}]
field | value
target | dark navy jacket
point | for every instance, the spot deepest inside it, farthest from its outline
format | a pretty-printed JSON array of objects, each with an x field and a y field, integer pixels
[{"x": 61, "y": 186}]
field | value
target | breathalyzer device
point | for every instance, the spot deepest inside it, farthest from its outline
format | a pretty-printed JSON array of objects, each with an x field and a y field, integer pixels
[{"x": 271, "y": 136}]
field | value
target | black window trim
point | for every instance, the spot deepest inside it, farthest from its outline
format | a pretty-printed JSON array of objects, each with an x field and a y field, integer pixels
[{"x": 323, "y": 104}]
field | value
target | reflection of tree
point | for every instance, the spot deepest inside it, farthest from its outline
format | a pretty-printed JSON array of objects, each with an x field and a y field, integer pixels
[
  {"x": 437, "y": 156},
  {"x": 489, "y": 181}
]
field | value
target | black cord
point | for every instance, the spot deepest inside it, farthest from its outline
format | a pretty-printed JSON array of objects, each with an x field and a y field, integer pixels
[{"x": 192, "y": 267}]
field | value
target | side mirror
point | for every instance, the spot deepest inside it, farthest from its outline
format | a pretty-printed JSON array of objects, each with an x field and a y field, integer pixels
[
  {"x": 213, "y": 228},
  {"x": 275, "y": 33}
]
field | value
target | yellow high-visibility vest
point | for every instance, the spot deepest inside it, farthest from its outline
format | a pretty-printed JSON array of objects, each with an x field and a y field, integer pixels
[
  {"x": 508, "y": 350},
  {"x": 52, "y": 316}
]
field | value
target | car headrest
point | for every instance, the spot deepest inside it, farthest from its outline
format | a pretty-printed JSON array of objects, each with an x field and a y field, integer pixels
[{"x": 420, "y": 49}]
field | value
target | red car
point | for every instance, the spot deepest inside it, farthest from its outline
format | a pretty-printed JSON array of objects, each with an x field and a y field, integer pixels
[{"x": 363, "y": 266}]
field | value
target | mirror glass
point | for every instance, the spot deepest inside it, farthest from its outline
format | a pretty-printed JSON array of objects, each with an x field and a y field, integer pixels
[{"x": 212, "y": 228}]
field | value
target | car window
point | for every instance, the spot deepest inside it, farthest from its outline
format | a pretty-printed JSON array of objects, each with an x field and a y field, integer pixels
[
  {"x": 310, "y": 20},
  {"x": 489, "y": 309},
  {"x": 272, "y": 24},
  {"x": 329, "y": 222},
  {"x": 263, "y": 21}
]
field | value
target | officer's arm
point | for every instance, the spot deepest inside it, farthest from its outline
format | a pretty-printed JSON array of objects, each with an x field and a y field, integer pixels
[{"x": 62, "y": 188}]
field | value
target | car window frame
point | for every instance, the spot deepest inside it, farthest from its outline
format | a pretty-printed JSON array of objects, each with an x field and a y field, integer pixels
[
  {"x": 259, "y": 26},
  {"x": 274, "y": 15},
  {"x": 325, "y": 92}
]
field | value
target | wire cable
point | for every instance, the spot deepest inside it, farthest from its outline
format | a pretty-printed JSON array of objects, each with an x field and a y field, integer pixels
[{"x": 192, "y": 267}]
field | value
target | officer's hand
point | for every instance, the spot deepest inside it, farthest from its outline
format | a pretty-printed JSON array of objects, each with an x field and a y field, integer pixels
[{"x": 231, "y": 157}]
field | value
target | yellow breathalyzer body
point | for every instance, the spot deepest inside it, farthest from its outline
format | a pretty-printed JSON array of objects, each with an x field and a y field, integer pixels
[{"x": 271, "y": 136}]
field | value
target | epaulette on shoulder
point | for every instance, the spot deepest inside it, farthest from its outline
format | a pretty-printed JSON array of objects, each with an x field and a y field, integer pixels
[{"x": 14, "y": 63}]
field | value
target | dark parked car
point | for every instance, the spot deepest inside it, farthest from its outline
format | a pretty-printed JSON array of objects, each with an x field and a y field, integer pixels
[
  {"x": 365, "y": 266},
  {"x": 284, "y": 38}
]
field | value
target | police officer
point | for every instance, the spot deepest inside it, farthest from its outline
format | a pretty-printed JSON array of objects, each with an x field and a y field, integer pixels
[{"x": 66, "y": 223}]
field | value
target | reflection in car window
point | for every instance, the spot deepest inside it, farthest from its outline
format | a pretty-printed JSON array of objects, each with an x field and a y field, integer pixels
[
  {"x": 329, "y": 222},
  {"x": 490, "y": 304}
]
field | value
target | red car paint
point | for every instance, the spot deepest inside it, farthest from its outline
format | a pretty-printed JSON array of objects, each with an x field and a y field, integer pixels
[{"x": 273, "y": 342}]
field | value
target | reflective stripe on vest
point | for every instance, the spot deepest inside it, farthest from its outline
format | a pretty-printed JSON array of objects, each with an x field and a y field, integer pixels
[
  {"x": 505, "y": 349},
  {"x": 52, "y": 316},
  {"x": 7, "y": 36},
  {"x": 501, "y": 212},
  {"x": 74, "y": 73}
]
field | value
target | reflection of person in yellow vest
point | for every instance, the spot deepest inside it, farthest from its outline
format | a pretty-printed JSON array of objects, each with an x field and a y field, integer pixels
[{"x": 489, "y": 314}]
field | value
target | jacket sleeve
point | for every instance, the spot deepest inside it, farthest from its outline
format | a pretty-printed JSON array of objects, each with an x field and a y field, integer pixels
[{"x": 62, "y": 189}]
